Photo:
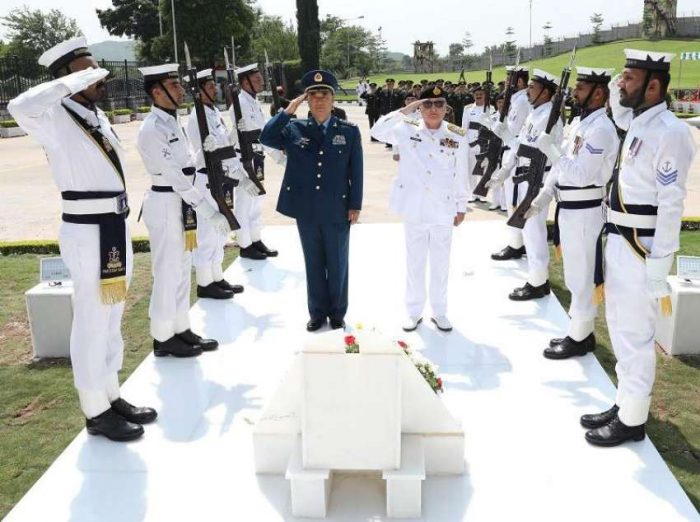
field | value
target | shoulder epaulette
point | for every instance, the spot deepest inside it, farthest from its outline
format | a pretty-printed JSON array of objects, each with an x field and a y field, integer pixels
[
  {"x": 347, "y": 123},
  {"x": 456, "y": 129}
]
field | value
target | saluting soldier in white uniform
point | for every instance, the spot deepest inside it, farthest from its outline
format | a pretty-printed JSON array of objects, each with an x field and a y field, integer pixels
[
  {"x": 249, "y": 206},
  {"x": 520, "y": 109},
  {"x": 540, "y": 91},
  {"x": 86, "y": 159},
  {"x": 644, "y": 221},
  {"x": 171, "y": 210},
  {"x": 430, "y": 194},
  {"x": 209, "y": 254},
  {"x": 582, "y": 168},
  {"x": 414, "y": 115},
  {"x": 470, "y": 122}
]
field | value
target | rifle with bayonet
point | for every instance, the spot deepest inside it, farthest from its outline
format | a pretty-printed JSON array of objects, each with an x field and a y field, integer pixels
[
  {"x": 485, "y": 135},
  {"x": 245, "y": 138},
  {"x": 538, "y": 160},
  {"x": 213, "y": 161},
  {"x": 276, "y": 101},
  {"x": 494, "y": 151}
]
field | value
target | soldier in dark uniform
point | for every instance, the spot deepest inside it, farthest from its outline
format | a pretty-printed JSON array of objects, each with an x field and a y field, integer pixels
[
  {"x": 322, "y": 190},
  {"x": 372, "y": 111},
  {"x": 389, "y": 100}
]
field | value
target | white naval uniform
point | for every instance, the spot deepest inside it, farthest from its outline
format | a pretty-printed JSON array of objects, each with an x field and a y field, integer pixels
[
  {"x": 653, "y": 172},
  {"x": 497, "y": 194},
  {"x": 589, "y": 155},
  {"x": 428, "y": 193},
  {"x": 165, "y": 151},
  {"x": 415, "y": 116},
  {"x": 472, "y": 113},
  {"x": 78, "y": 164},
  {"x": 209, "y": 254}
]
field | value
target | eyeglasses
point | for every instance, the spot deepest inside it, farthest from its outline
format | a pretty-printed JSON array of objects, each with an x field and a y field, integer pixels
[{"x": 429, "y": 104}]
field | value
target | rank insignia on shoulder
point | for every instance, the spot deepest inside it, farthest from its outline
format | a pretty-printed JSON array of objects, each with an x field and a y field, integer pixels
[{"x": 456, "y": 129}]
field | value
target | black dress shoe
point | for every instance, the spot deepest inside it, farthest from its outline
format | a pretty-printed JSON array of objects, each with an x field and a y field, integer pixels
[
  {"x": 191, "y": 338},
  {"x": 615, "y": 433},
  {"x": 527, "y": 292},
  {"x": 263, "y": 248},
  {"x": 133, "y": 413},
  {"x": 555, "y": 341},
  {"x": 337, "y": 324},
  {"x": 236, "y": 289},
  {"x": 113, "y": 426},
  {"x": 214, "y": 291},
  {"x": 596, "y": 420},
  {"x": 509, "y": 253},
  {"x": 569, "y": 348},
  {"x": 315, "y": 324},
  {"x": 175, "y": 347},
  {"x": 250, "y": 252}
]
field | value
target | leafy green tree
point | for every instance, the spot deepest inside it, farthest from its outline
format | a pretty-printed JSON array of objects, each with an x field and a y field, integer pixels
[
  {"x": 309, "y": 34},
  {"x": 137, "y": 19},
  {"x": 31, "y": 32},
  {"x": 547, "y": 39},
  {"x": 271, "y": 33},
  {"x": 509, "y": 46},
  {"x": 597, "y": 21},
  {"x": 348, "y": 50}
]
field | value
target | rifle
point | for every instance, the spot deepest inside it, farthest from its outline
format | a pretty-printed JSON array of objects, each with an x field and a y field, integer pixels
[
  {"x": 494, "y": 152},
  {"x": 212, "y": 160},
  {"x": 276, "y": 101},
  {"x": 538, "y": 160},
  {"x": 245, "y": 138}
]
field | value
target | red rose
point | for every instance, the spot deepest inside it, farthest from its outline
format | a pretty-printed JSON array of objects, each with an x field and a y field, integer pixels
[
  {"x": 403, "y": 345},
  {"x": 439, "y": 382},
  {"x": 350, "y": 340}
]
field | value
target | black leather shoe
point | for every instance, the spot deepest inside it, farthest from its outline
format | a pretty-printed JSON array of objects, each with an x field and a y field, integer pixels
[
  {"x": 213, "y": 291},
  {"x": 263, "y": 248},
  {"x": 113, "y": 426},
  {"x": 509, "y": 253},
  {"x": 315, "y": 324},
  {"x": 596, "y": 420},
  {"x": 555, "y": 341},
  {"x": 337, "y": 324},
  {"x": 527, "y": 292},
  {"x": 615, "y": 433},
  {"x": 133, "y": 413},
  {"x": 250, "y": 252},
  {"x": 175, "y": 347},
  {"x": 236, "y": 289},
  {"x": 191, "y": 338},
  {"x": 569, "y": 348}
]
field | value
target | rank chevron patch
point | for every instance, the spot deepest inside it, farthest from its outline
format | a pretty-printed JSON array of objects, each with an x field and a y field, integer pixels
[
  {"x": 591, "y": 149},
  {"x": 667, "y": 174}
]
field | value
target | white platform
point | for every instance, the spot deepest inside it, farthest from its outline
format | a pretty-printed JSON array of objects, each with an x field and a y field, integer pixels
[{"x": 525, "y": 453}]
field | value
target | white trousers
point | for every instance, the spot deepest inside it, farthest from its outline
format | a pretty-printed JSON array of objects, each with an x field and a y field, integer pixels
[
  {"x": 534, "y": 236},
  {"x": 579, "y": 231},
  {"x": 171, "y": 265},
  {"x": 423, "y": 241},
  {"x": 209, "y": 254},
  {"x": 497, "y": 196},
  {"x": 515, "y": 235},
  {"x": 96, "y": 344},
  {"x": 631, "y": 317},
  {"x": 248, "y": 211}
]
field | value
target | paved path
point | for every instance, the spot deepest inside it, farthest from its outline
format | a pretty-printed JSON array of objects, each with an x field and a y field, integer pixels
[{"x": 30, "y": 206}]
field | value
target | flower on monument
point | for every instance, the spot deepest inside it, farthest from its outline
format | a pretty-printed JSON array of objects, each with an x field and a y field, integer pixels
[
  {"x": 359, "y": 326},
  {"x": 424, "y": 367},
  {"x": 350, "y": 339},
  {"x": 351, "y": 345}
]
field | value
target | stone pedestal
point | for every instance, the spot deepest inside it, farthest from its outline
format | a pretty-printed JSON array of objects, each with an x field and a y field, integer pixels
[{"x": 679, "y": 333}]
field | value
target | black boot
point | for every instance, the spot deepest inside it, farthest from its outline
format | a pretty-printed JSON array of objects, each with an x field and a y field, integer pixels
[
  {"x": 175, "y": 347},
  {"x": 315, "y": 324},
  {"x": 569, "y": 348},
  {"x": 133, "y": 413},
  {"x": 596, "y": 420},
  {"x": 337, "y": 323},
  {"x": 236, "y": 289},
  {"x": 509, "y": 253},
  {"x": 263, "y": 248},
  {"x": 615, "y": 433},
  {"x": 206, "y": 345},
  {"x": 113, "y": 426},
  {"x": 214, "y": 291},
  {"x": 250, "y": 252},
  {"x": 528, "y": 292}
]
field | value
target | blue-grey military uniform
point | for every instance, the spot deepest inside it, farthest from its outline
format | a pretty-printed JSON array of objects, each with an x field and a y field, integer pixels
[{"x": 322, "y": 182}]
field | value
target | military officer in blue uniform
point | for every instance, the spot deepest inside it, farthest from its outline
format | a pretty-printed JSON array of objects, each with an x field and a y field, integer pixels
[{"x": 322, "y": 190}]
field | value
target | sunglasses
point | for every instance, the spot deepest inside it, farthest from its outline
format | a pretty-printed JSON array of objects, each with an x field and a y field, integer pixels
[{"x": 429, "y": 104}]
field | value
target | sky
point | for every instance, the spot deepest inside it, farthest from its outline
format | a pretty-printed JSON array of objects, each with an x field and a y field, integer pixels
[{"x": 405, "y": 21}]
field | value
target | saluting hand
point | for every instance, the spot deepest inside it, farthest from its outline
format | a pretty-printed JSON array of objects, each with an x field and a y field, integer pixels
[
  {"x": 294, "y": 104},
  {"x": 353, "y": 216},
  {"x": 459, "y": 219},
  {"x": 408, "y": 109}
]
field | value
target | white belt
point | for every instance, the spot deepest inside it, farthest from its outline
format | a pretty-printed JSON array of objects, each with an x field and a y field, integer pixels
[
  {"x": 81, "y": 207},
  {"x": 582, "y": 194},
  {"x": 630, "y": 220}
]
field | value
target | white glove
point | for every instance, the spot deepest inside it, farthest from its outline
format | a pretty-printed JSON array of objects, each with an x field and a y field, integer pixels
[
  {"x": 658, "y": 269},
  {"x": 246, "y": 184},
  {"x": 502, "y": 131},
  {"x": 81, "y": 80},
  {"x": 485, "y": 120},
  {"x": 210, "y": 144},
  {"x": 538, "y": 204},
  {"x": 240, "y": 125},
  {"x": 546, "y": 144},
  {"x": 215, "y": 218},
  {"x": 622, "y": 115},
  {"x": 499, "y": 178}
]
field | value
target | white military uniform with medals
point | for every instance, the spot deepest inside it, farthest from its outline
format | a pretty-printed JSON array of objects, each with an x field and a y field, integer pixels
[
  {"x": 656, "y": 156},
  {"x": 79, "y": 164},
  {"x": 428, "y": 193},
  {"x": 472, "y": 113}
]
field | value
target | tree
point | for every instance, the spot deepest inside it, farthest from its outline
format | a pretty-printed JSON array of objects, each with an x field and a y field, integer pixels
[
  {"x": 271, "y": 33},
  {"x": 30, "y": 33},
  {"x": 349, "y": 48},
  {"x": 309, "y": 34},
  {"x": 597, "y": 21},
  {"x": 467, "y": 41},
  {"x": 137, "y": 19},
  {"x": 509, "y": 47},
  {"x": 456, "y": 54},
  {"x": 547, "y": 48}
]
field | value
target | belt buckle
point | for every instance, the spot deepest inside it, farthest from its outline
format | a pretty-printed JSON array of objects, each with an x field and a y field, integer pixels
[{"x": 121, "y": 204}]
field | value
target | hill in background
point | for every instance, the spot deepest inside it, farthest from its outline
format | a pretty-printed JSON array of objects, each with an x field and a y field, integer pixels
[{"x": 114, "y": 50}]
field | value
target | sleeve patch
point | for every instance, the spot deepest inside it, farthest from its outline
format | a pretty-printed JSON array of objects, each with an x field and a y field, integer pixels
[
  {"x": 667, "y": 172},
  {"x": 592, "y": 150}
]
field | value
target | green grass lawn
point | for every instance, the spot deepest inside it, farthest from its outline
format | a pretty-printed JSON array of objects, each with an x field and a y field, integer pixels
[{"x": 605, "y": 55}]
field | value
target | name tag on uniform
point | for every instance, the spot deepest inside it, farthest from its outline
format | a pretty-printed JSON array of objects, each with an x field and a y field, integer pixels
[
  {"x": 416, "y": 138},
  {"x": 339, "y": 139}
]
